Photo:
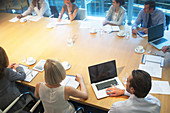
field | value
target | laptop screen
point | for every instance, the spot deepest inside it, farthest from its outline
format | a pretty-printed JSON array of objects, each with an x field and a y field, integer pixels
[
  {"x": 102, "y": 71},
  {"x": 155, "y": 32}
]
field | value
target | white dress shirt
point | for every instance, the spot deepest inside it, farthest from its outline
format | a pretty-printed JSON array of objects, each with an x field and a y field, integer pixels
[
  {"x": 43, "y": 10},
  {"x": 149, "y": 104}
]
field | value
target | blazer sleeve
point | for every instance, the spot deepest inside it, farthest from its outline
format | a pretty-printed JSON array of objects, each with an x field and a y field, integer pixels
[
  {"x": 18, "y": 75},
  {"x": 122, "y": 15},
  {"x": 29, "y": 10}
]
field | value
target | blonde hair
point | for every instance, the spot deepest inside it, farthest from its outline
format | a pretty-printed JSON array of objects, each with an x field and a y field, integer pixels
[{"x": 54, "y": 72}]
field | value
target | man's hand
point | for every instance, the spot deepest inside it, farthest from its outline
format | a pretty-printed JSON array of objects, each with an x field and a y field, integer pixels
[
  {"x": 114, "y": 91},
  {"x": 134, "y": 31},
  {"x": 19, "y": 16},
  {"x": 145, "y": 31},
  {"x": 165, "y": 49}
]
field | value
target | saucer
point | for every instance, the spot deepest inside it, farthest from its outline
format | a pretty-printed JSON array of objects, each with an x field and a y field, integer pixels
[
  {"x": 142, "y": 51},
  {"x": 93, "y": 32},
  {"x": 120, "y": 34},
  {"x": 31, "y": 63},
  {"x": 66, "y": 65}
]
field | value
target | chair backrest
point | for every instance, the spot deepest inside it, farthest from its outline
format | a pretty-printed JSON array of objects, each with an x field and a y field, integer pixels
[
  {"x": 54, "y": 11},
  {"x": 81, "y": 13}
]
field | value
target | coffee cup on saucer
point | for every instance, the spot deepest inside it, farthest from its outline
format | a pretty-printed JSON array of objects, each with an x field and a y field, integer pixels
[
  {"x": 23, "y": 20},
  {"x": 30, "y": 61},
  {"x": 93, "y": 30},
  {"x": 139, "y": 48}
]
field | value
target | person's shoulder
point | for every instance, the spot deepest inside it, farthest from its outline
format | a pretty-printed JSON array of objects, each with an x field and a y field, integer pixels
[
  {"x": 74, "y": 5},
  {"x": 158, "y": 11},
  {"x": 122, "y": 8}
]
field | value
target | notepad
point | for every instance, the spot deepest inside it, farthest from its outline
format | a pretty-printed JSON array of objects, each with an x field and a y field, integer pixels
[
  {"x": 40, "y": 65},
  {"x": 154, "y": 59},
  {"x": 30, "y": 74},
  {"x": 70, "y": 81},
  {"x": 160, "y": 87}
]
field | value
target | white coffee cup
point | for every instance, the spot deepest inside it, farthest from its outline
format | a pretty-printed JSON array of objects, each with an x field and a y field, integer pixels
[
  {"x": 30, "y": 60},
  {"x": 23, "y": 20},
  {"x": 121, "y": 32},
  {"x": 139, "y": 48},
  {"x": 93, "y": 30}
]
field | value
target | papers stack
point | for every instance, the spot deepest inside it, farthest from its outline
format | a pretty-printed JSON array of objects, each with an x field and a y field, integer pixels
[
  {"x": 108, "y": 28},
  {"x": 142, "y": 34},
  {"x": 70, "y": 81},
  {"x": 160, "y": 87},
  {"x": 30, "y": 74},
  {"x": 15, "y": 19},
  {"x": 40, "y": 65},
  {"x": 152, "y": 65}
]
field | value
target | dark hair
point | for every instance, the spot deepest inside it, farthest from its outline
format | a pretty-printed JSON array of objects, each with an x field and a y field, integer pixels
[
  {"x": 4, "y": 62},
  {"x": 72, "y": 1},
  {"x": 121, "y": 2},
  {"x": 151, "y": 4},
  {"x": 141, "y": 82}
]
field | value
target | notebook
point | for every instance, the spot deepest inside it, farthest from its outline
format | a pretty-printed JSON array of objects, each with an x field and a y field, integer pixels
[
  {"x": 30, "y": 74},
  {"x": 102, "y": 76},
  {"x": 155, "y": 36}
]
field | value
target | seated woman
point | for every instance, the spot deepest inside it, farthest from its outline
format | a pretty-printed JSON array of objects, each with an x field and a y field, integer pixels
[
  {"x": 70, "y": 9},
  {"x": 116, "y": 14},
  {"x": 53, "y": 95},
  {"x": 8, "y": 77},
  {"x": 40, "y": 7}
]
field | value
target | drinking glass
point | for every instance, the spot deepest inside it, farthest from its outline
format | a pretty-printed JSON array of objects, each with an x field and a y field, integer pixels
[{"x": 124, "y": 78}]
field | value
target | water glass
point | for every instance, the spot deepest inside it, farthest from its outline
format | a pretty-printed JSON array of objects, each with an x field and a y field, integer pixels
[
  {"x": 69, "y": 42},
  {"x": 127, "y": 35},
  {"x": 124, "y": 78}
]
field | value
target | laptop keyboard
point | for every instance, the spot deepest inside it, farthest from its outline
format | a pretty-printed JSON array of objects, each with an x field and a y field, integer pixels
[
  {"x": 106, "y": 84},
  {"x": 159, "y": 41}
]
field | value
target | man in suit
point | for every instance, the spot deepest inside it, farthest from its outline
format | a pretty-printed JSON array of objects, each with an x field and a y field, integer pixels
[{"x": 137, "y": 87}]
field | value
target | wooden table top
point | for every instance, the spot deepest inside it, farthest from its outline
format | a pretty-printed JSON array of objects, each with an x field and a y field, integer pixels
[{"x": 33, "y": 39}]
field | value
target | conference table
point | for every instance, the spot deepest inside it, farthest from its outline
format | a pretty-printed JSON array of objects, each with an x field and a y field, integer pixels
[{"x": 33, "y": 39}]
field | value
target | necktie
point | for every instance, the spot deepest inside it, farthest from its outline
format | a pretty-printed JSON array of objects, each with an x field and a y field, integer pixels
[{"x": 149, "y": 21}]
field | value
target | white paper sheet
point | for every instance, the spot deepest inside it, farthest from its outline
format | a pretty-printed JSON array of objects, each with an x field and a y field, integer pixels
[
  {"x": 35, "y": 18},
  {"x": 70, "y": 81},
  {"x": 160, "y": 87},
  {"x": 153, "y": 58},
  {"x": 15, "y": 19},
  {"x": 109, "y": 28},
  {"x": 153, "y": 69}
]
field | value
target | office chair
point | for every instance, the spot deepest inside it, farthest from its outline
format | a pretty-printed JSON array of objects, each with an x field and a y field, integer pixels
[
  {"x": 81, "y": 13},
  {"x": 29, "y": 103},
  {"x": 54, "y": 11}
]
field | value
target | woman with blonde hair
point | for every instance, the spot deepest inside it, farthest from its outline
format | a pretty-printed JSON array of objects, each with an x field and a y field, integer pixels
[{"x": 53, "y": 95}]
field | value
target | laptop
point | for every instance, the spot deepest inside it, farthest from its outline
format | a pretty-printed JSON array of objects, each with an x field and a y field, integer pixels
[
  {"x": 155, "y": 36},
  {"x": 102, "y": 76}
]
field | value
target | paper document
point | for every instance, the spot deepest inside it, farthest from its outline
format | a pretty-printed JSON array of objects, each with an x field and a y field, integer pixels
[
  {"x": 108, "y": 28},
  {"x": 153, "y": 58},
  {"x": 153, "y": 69},
  {"x": 160, "y": 87},
  {"x": 85, "y": 24},
  {"x": 30, "y": 74},
  {"x": 70, "y": 81},
  {"x": 40, "y": 65},
  {"x": 35, "y": 18},
  {"x": 15, "y": 19}
]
